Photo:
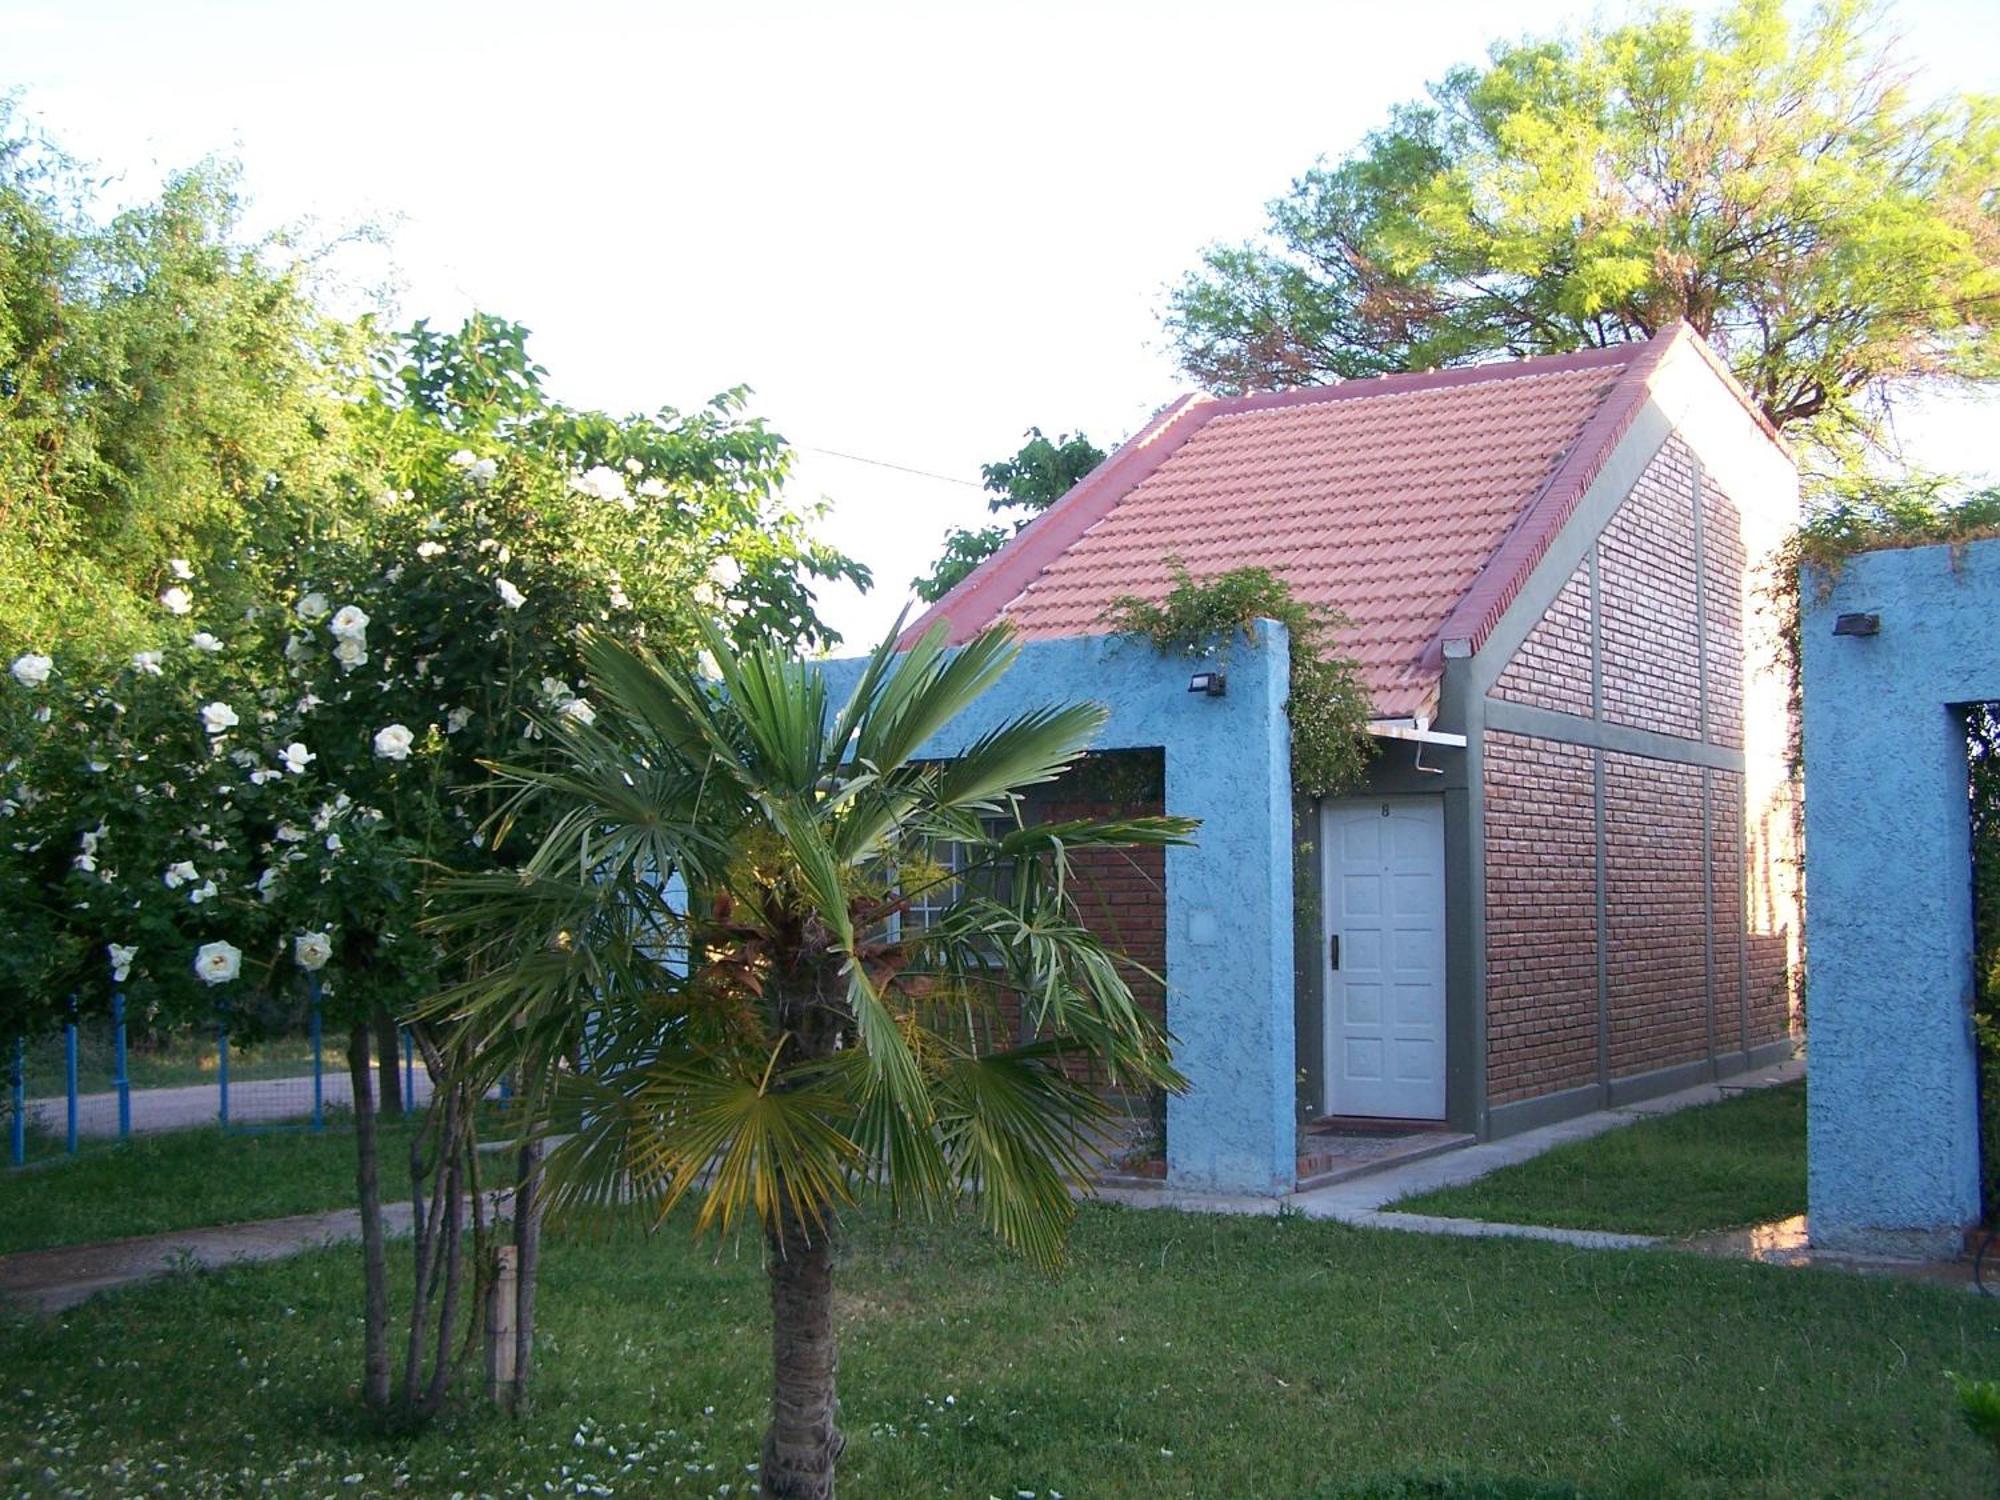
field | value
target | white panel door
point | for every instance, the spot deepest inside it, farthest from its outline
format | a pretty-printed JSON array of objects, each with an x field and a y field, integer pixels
[{"x": 1384, "y": 952}]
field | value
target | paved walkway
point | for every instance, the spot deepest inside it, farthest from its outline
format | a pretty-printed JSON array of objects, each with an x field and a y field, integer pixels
[
  {"x": 1363, "y": 1201},
  {"x": 251, "y": 1102},
  {"x": 47, "y": 1281}
]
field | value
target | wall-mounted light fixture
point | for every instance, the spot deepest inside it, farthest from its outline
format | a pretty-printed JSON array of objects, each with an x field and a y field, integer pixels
[
  {"x": 1857, "y": 625},
  {"x": 1213, "y": 684}
]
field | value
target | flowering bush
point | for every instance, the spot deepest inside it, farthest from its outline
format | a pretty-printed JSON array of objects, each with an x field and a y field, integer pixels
[{"x": 262, "y": 795}]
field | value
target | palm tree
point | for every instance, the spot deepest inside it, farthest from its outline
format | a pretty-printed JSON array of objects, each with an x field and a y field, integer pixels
[{"x": 757, "y": 963}]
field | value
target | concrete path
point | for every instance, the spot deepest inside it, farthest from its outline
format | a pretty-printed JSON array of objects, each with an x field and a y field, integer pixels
[
  {"x": 252, "y": 1102},
  {"x": 1363, "y": 1201},
  {"x": 47, "y": 1281}
]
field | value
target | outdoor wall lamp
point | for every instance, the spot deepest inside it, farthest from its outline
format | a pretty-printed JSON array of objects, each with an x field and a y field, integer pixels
[
  {"x": 1212, "y": 684},
  {"x": 1857, "y": 625}
]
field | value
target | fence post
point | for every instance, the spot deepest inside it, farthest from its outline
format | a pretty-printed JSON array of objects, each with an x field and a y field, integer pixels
[
  {"x": 222, "y": 1062},
  {"x": 121, "y": 1078},
  {"x": 319, "y": 1098},
  {"x": 69, "y": 1072},
  {"x": 17, "y": 1131},
  {"x": 409, "y": 1070}
]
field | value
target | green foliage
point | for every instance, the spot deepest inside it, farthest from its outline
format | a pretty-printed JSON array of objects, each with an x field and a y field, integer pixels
[
  {"x": 1775, "y": 185},
  {"x": 1328, "y": 705},
  {"x": 1979, "y": 1404},
  {"x": 158, "y": 377},
  {"x": 1037, "y": 476},
  {"x": 707, "y": 972}
]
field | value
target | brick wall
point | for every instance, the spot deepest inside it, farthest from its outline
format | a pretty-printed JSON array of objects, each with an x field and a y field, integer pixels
[
  {"x": 1656, "y": 953},
  {"x": 1552, "y": 667},
  {"x": 1671, "y": 626},
  {"x": 1646, "y": 589},
  {"x": 1541, "y": 922}
]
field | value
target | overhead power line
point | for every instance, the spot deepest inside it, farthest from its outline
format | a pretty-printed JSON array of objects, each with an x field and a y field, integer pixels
[{"x": 880, "y": 463}]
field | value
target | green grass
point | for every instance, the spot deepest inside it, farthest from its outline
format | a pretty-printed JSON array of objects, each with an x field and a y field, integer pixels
[
  {"x": 183, "y": 1179},
  {"x": 1179, "y": 1356},
  {"x": 1719, "y": 1166},
  {"x": 170, "y": 1062}
]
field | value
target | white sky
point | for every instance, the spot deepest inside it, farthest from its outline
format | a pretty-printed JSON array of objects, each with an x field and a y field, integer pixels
[{"x": 915, "y": 230}]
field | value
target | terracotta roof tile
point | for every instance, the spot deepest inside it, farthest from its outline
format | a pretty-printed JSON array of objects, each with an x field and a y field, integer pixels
[{"x": 1386, "y": 499}]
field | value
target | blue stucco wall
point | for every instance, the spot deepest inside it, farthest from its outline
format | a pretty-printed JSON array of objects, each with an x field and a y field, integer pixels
[
  {"x": 1893, "y": 1115},
  {"x": 1229, "y": 898}
]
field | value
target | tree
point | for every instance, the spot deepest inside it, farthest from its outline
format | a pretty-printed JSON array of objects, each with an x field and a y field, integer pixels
[
  {"x": 712, "y": 976},
  {"x": 1040, "y": 474},
  {"x": 1778, "y": 188}
]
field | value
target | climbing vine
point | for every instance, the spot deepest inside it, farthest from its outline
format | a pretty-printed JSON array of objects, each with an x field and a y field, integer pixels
[{"x": 1327, "y": 705}]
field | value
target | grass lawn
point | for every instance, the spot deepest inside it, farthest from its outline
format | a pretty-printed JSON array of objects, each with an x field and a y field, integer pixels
[
  {"x": 182, "y": 1179},
  {"x": 171, "y": 1062},
  {"x": 1179, "y": 1356},
  {"x": 1718, "y": 1166}
]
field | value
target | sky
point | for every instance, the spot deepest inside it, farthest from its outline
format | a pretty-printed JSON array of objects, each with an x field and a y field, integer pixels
[{"x": 915, "y": 231}]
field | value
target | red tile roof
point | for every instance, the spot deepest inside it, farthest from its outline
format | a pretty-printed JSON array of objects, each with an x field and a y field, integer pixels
[{"x": 1414, "y": 504}]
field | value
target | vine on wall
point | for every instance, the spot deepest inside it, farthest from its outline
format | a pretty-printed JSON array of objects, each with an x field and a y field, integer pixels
[{"x": 1328, "y": 706}]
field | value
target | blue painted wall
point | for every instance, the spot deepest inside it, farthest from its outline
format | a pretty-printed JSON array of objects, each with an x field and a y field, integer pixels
[
  {"x": 1893, "y": 1119},
  {"x": 1229, "y": 898}
]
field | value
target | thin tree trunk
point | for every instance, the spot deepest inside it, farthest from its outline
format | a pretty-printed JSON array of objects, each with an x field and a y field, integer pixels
[
  {"x": 389, "y": 1061},
  {"x": 803, "y": 1440},
  {"x": 374, "y": 1254},
  {"x": 527, "y": 1265}
]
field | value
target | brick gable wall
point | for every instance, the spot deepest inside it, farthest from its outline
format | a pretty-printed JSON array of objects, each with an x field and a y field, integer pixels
[{"x": 1693, "y": 965}]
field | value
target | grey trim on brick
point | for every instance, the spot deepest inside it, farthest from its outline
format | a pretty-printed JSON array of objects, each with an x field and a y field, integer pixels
[
  {"x": 1600, "y": 841},
  {"x": 1708, "y": 900},
  {"x": 1546, "y": 723},
  {"x": 1743, "y": 909},
  {"x": 1308, "y": 955},
  {"x": 1544, "y": 1109},
  {"x": 1461, "y": 710},
  {"x": 1700, "y": 603},
  {"x": 1650, "y": 429}
]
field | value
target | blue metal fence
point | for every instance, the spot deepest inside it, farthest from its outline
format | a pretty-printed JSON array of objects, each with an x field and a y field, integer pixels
[{"x": 83, "y": 1118}]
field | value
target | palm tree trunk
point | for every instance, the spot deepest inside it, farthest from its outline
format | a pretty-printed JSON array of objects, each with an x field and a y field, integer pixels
[{"x": 802, "y": 1443}]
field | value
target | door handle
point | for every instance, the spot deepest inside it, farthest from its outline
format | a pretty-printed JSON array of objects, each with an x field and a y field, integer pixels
[{"x": 1333, "y": 950}]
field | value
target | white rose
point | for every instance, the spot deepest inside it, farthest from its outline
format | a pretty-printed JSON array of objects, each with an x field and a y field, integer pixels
[
  {"x": 31, "y": 671},
  {"x": 351, "y": 653},
  {"x": 177, "y": 600},
  {"x": 296, "y": 758},
  {"x": 203, "y": 641},
  {"x": 180, "y": 568},
  {"x": 218, "y": 962},
  {"x": 311, "y": 950},
  {"x": 619, "y": 598},
  {"x": 333, "y": 846},
  {"x": 428, "y": 550},
  {"x": 393, "y": 742},
  {"x": 206, "y": 891},
  {"x": 289, "y": 833},
  {"x": 465, "y": 458},
  {"x": 148, "y": 662},
  {"x": 267, "y": 885},
  {"x": 578, "y": 710},
  {"x": 312, "y": 609},
  {"x": 510, "y": 596},
  {"x": 599, "y": 483},
  {"x": 652, "y": 489},
  {"x": 179, "y": 873},
  {"x": 122, "y": 955},
  {"x": 350, "y": 624},
  {"x": 217, "y": 718},
  {"x": 483, "y": 471},
  {"x": 457, "y": 719}
]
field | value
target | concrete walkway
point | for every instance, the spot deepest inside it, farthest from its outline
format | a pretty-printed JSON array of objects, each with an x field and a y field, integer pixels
[
  {"x": 1363, "y": 1201},
  {"x": 252, "y": 1102},
  {"x": 47, "y": 1281}
]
